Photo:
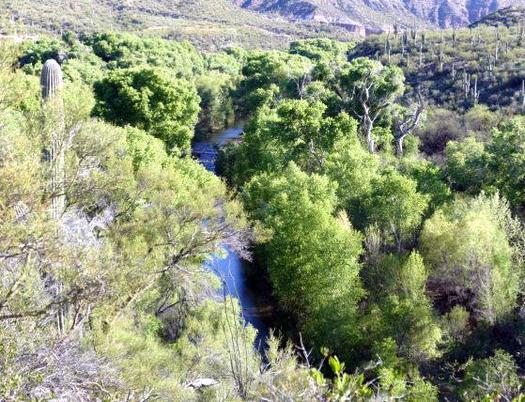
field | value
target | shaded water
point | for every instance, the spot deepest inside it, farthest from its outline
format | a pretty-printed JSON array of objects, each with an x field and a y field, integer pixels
[{"x": 232, "y": 269}]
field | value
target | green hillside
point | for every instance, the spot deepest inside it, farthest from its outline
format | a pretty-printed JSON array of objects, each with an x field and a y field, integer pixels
[
  {"x": 459, "y": 68},
  {"x": 209, "y": 24}
]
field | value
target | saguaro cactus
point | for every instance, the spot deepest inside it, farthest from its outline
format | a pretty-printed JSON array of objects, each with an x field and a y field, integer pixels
[
  {"x": 51, "y": 82},
  {"x": 51, "y": 79}
]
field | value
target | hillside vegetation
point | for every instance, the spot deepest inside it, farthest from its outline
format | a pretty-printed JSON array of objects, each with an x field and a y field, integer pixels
[
  {"x": 209, "y": 24},
  {"x": 459, "y": 68}
]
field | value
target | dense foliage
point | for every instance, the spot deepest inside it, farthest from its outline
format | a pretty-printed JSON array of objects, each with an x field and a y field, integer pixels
[{"x": 390, "y": 233}]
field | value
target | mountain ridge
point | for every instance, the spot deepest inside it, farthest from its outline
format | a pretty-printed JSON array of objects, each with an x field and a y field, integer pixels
[{"x": 382, "y": 14}]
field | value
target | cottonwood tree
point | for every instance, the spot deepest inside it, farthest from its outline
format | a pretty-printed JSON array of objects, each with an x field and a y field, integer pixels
[
  {"x": 395, "y": 206},
  {"x": 473, "y": 256},
  {"x": 313, "y": 256},
  {"x": 369, "y": 90},
  {"x": 152, "y": 100}
]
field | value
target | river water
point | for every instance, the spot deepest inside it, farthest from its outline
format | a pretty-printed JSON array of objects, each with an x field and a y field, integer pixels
[{"x": 232, "y": 269}]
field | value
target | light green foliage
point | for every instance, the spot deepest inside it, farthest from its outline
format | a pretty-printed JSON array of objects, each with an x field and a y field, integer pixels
[
  {"x": 145, "y": 149},
  {"x": 295, "y": 130},
  {"x": 229, "y": 61},
  {"x": 455, "y": 325},
  {"x": 467, "y": 245},
  {"x": 395, "y": 205},
  {"x": 312, "y": 256},
  {"x": 492, "y": 378},
  {"x": 152, "y": 100},
  {"x": 329, "y": 55},
  {"x": 285, "y": 377},
  {"x": 205, "y": 341},
  {"x": 466, "y": 164},
  {"x": 321, "y": 49},
  {"x": 353, "y": 168},
  {"x": 401, "y": 311}
]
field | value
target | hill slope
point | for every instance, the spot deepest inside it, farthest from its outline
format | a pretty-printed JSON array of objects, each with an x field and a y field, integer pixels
[
  {"x": 383, "y": 14},
  {"x": 208, "y": 23},
  {"x": 457, "y": 69}
]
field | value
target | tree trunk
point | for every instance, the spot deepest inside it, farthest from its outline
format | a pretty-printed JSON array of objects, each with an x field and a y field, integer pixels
[
  {"x": 399, "y": 146},
  {"x": 368, "y": 125}
]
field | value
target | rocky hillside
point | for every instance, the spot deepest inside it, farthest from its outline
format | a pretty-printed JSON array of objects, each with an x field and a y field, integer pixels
[
  {"x": 370, "y": 15},
  {"x": 459, "y": 68},
  {"x": 506, "y": 17},
  {"x": 209, "y": 24}
]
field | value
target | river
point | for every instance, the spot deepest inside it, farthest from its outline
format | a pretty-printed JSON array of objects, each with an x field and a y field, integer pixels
[{"x": 234, "y": 271}]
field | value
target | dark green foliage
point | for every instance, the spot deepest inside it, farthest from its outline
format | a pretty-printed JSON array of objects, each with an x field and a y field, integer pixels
[
  {"x": 149, "y": 99},
  {"x": 280, "y": 72},
  {"x": 216, "y": 104},
  {"x": 126, "y": 50},
  {"x": 42, "y": 50}
]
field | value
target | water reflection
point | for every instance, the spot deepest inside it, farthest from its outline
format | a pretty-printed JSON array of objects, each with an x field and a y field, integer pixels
[{"x": 232, "y": 269}]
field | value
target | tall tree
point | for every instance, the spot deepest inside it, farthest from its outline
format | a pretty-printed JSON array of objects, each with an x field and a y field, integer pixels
[
  {"x": 312, "y": 255},
  {"x": 369, "y": 89}
]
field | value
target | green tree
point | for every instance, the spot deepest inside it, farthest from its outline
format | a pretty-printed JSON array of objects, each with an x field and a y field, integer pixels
[
  {"x": 370, "y": 89},
  {"x": 395, "y": 206},
  {"x": 492, "y": 378},
  {"x": 507, "y": 161},
  {"x": 468, "y": 245},
  {"x": 296, "y": 130},
  {"x": 466, "y": 165},
  {"x": 312, "y": 256},
  {"x": 125, "y": 50},
  {"x": 151, "y": 100},
  {"x": 216, "y": 107},
  {"x": 400, "y": 309},
  {"x": 354, "y": 169},
  {"x": 288, "y": 74}
]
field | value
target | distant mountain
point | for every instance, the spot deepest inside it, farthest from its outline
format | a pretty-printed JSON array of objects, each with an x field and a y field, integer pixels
[
  {"x": 207, "y": 23},
  {"x": 371, "y": 15}
]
